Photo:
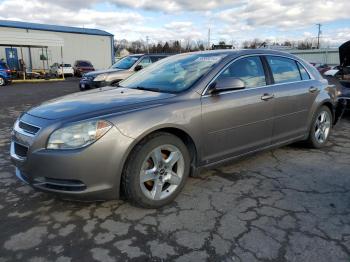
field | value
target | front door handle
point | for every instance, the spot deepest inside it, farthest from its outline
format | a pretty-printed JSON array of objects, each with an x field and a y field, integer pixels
[
  {"x": 313, "y": 89},
  {"x": 267, "y": 97}
]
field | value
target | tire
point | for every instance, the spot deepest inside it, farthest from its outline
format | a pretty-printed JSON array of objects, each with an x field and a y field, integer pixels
[
  {"x": 321, "y": 128},
  {"x": 164, "y": 180},
  {"x": 2, "y": 81}
]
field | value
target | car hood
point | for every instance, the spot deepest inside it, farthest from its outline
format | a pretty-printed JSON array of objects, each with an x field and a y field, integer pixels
[
  {"x": 93, "y": 73},
  {"x": 97, "y": 102}
]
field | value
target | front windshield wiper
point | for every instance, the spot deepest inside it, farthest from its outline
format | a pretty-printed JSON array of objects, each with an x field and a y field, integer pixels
[{"x": 148, "y": 89}]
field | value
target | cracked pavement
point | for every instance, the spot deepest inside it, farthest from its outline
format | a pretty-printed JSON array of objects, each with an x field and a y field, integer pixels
[{"x": 288, "y": 204}]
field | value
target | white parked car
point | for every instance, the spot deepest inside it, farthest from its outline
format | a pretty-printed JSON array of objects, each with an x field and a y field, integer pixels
[
  {"x": 332, "y": 72},
  {"x": 57, "y": 69}
]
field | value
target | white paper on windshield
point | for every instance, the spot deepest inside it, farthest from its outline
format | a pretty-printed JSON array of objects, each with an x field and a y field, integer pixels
[{"x": 208, "y": 58}]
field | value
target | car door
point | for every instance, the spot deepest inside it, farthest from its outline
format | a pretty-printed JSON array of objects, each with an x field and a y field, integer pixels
[
  {"x": 240, "y": 121},
  {"x": 294, "y": 93}
]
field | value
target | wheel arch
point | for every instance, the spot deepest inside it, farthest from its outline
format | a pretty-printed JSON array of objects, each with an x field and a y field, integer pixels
[
  {"x": 332, "y": 108},
  {"x": 176, "y": 131}
]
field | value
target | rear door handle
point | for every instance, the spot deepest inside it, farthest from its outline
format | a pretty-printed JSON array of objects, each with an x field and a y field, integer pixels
[
  {"x": 313, "y": 89},
  {"x": 267, "y": 97}
]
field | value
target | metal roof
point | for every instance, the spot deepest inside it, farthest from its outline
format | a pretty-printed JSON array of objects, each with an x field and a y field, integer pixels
[
  {"x": 33, "y": 39},
  {"x": 53, "y": 28}
]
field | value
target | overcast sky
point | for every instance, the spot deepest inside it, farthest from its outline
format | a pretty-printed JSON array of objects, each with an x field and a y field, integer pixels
[{"x": 229, "y": 20}]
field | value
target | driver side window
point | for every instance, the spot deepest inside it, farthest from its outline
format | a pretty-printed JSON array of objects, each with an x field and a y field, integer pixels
[
  {"x": 146, "y": 61},
  {"x": 249, "y": 69}
]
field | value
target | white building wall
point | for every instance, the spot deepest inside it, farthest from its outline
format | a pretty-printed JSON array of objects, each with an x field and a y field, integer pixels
[
  {"x": 95, "y": 48},
  {"x": 323, "y": 56}
]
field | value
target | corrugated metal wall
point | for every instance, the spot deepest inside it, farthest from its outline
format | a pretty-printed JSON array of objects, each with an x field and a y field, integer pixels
[
  {"x": 325, "y": 56},
  {"x": 95, "y": 48}
]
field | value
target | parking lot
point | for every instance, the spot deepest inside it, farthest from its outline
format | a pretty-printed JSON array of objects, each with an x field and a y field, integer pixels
[{"x": 289, "y": 204}]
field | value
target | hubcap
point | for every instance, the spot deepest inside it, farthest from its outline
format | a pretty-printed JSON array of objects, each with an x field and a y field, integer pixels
[
  {"x": 2, "y": 81},
  {"x": 162, "y": 172},
  {"x": 322, "y": 127}
]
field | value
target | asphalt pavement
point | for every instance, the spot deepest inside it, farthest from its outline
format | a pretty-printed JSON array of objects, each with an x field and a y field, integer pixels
[{"x": 288, "y": 204}]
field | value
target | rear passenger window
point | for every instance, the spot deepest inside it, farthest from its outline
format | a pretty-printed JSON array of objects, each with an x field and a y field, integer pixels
[
  {"x": 284, "y": 70},
  {"x": 146, "y": 61},
  {"x": 249, "y": 69},
  {"x": 156, "y": 58},
  {"x": 304, "y": 74}
]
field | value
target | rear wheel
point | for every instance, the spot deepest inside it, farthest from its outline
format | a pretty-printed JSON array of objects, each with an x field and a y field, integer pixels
[
  {"x": 156, "y": 171},
  {"x": 2, "y": 81},
  {"x": 321, "y": 128}
]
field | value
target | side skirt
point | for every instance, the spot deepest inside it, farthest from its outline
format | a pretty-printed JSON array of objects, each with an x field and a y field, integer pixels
[{"x": 196, "y": 170}]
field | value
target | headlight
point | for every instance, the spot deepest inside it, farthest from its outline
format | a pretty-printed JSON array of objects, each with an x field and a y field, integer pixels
[
  {"x": 101, "y": 77},
  {"x": 78, "y": 135}
]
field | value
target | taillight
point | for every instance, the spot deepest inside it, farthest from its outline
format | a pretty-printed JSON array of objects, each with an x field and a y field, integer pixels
[{"x": 8, "y": 70}]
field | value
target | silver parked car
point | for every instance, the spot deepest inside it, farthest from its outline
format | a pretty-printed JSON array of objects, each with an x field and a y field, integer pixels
[
  {"x": 121, "y": 70},
  {"x": 170, "y": 120}
]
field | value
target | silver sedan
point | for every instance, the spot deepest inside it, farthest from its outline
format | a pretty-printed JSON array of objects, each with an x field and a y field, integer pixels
[{"x": 142, "y": 139}]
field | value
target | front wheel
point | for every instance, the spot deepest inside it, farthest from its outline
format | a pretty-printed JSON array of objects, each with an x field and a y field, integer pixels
[
  {"x": 156, "y": 171},
  {"x": 321, "y": 128},
  {"x": 2, "y": 81}
]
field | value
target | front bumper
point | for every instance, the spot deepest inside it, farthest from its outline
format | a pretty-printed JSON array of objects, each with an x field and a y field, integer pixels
[
  {"x": 90, "y": 84},
  {"x": 90, "y": 173}
]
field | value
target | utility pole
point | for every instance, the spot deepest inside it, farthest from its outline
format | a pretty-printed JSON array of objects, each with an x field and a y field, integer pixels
[
  {"x": 209, "y": 38},
  {"x": 318, "y": 35},
  {"x": 147, "y": 39}
]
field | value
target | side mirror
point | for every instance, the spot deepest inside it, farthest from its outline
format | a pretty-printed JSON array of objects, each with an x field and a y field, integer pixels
[
  {"x": 138, "y": 68},
  {"x": 226, "y": 84}
]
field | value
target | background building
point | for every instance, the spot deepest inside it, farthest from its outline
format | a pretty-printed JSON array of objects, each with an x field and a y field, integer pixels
[
  {"x": 328, "y": 56},
  {"x": 42, "y": 45}
]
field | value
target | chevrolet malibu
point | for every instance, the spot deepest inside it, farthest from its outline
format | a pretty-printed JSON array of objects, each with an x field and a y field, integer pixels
[{"x": 180, "y": 115}]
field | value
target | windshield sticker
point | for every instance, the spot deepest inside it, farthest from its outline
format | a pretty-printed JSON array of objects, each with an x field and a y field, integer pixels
[{"x": 208, "y": 58}]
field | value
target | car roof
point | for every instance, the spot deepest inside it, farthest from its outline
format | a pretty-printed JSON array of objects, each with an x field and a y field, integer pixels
[
  {"x": 152, "y": 54},
  {"x": 239, "y": 52}
]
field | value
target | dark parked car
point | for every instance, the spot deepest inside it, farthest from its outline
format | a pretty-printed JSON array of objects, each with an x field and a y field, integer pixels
[
  {"x": 345, "y": 92},
  {"x": 322, "y": 68},
  {"x": 118, "y": 71},
  {"x": 5, "y": 74},
  {"x": 82, "y": 66},
  {"x": 170, "y": 120}
]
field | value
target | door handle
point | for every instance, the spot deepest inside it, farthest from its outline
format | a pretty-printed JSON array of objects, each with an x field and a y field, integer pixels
[
  {"x": 313, "y": 89},
  {"x": 267, "y": 97}
]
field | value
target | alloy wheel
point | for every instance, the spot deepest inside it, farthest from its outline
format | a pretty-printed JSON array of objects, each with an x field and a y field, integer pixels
[
  {"x": 162, "y": 172},
  {"x": 322, "y": 127}
]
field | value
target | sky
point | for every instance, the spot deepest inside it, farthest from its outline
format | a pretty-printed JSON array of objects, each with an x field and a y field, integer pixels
[{"x": 232, "y": 21}]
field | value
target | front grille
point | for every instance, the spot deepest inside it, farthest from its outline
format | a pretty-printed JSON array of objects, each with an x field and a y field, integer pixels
[
  {"x": 28, "y": 128},
  {"x": 60, "y": 184},
  {"x": 21, "y": 150}
]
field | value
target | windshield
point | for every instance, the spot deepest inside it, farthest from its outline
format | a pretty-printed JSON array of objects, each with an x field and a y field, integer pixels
[
  {"x": 84, "y": 63},
  {"x": 126, "y": 62},
  {"x": 173, "y": 74}
]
